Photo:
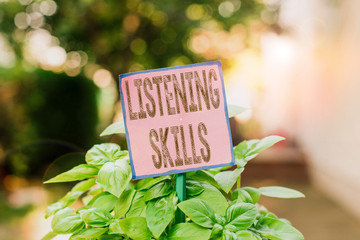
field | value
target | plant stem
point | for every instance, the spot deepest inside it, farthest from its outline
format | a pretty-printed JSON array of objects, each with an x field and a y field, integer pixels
[
  {"x": 238, "y": 182},
  {"x": 181, "y": 193}
]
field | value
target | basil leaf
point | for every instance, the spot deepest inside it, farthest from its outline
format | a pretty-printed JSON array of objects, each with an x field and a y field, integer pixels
[
  {"x": 280, "y": 192},
  {"x": 188, "y": 231},
  {"x": 227, "y": 179},
  {"x": 65, "y": 222},
  {"x": 253, "y": 192},
  {"x": 228, "y": 235},
  {"x": 77, "y": 191},
  {"x": 53, "y": 208},
  {"x": 70, "y": 197},
  {"x": 89, "y": 233},
  {"x": 114, "y": 228},
  {"x": 104, "y": 200},
  {"x": 79, "y": 172},
  {"x": 135, "y": 228},
  {"x": 241, "y": 215},
  {"x": 199, "y": 212},
  {"x": 264, "y": 144},
  {"x": 234, "y": 110},
  {"x": 114, "y": 128},
  {"x": 246, "y": 235},
  {"x": 247, "y": 150},
  {"x": 114, "y": 177},
  {"x": 147, "y": 183},
  {"x": 161, "y": 189},
  {"x": 214, "y": 198},
  {"x": 276, "y": 229},
  {"x": 159, "y": 213},
  {"x": 112, "y": 237},
  {"x": 49, "y": 236},
  {"x": 193, "y": 188},
  {"x": 123, "y": 204},
  {"x": 240, "y": 195},
  {"x": 137, "y": 207},
  {"x": 216, "y": 231},
  {"x": 100, "y": 154},
  {"x": 95, "y": 217},
  {"x": 202, "y": 176}
]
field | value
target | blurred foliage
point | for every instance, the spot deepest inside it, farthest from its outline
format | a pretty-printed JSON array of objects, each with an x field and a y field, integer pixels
[
  {"x": 57, "y": 115},
  {"x": 53, "y": 104}
]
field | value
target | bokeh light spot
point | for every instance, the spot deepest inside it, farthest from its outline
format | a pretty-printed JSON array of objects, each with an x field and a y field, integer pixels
[
  {"x": 195, "y": 12},
  {"x": 55, "y": 56},
  {"x": 102, "y": 78},
  {"x": 48, "y": 8},
  {"x": 226, "y": 9},
  {"x": 22, "y": 20},
  {"x": 138, "y": 46},
  {"x": 131, "y": 23}
]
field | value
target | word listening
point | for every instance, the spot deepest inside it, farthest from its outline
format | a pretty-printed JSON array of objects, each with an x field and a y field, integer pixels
[{"x": 186, "y": 90}]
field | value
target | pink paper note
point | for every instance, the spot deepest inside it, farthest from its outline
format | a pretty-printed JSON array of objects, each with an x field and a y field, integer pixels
[{"x": 176, "y": 119}]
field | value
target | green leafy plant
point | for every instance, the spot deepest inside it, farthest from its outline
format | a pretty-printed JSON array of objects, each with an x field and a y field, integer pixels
[{"x": 115, "y": 207}]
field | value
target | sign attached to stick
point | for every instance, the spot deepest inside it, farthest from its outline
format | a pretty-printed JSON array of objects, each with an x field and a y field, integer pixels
[{"x": 176, "y": 119}]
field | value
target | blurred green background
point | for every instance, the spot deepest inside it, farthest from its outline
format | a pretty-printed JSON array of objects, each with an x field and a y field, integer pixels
[{"x": 292, "y": 63}]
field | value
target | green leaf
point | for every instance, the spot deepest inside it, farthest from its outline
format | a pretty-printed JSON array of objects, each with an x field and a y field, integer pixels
[
  {"x": 228, "y": 235},
  {"x": 240, "y": 153},
  {"x": 79, "y": 172},
  {"x": 241, "y": 215},
  {"x": 96, "y": 190},
  {"x": 84, "y": 185},
  {"x": 123, "y": 204},
  {"x": 227, "y": 179},
  {"x": 114, "y": 128},
  {"x": 161, "y": 189},
  {"x": 77, "y": 191},
  {"x": 70, "y": 197},
  {"x": 188, "y": 231},
  {"x": 49, "y": 236},
  {"x": 112, "y": 237},
  {"x": 100, "y": 154},
  {"x": 147, "y": 183},
  {"x": 159, "y": 213},
  {"x": 245, "y": 235},
  {"x": 202, "y": 176},
  {"x": 193, "y": 188},
  {"x": 199, "y": 212},
  {"x": 240, "y": 195},
  {"x": 247, "y": 150},
  {"x": 114, "y": 228},
  {"x": 89, "y": 233},
  {"x": 64, "y": 222},
  {"x": 220, "y": 219},
  {"x": 253, "y": 192},
  {"x": 280, "y": 192},
  {"x": 95, "y": 217},
  {"x": 135, "y": 228},
  {"x": 216, "y": 231},
  {"x": 214, "y": 198},
  {"x": 104, "y": 200},
  {"x": 53, "y": 208},
  {"x": 265, "y": 143},
  {"x": 276, "y": 229},
  {"x": 234, "y": 110},
  {"x": 114, "y": 177},
  {"x": 138, "y": 206}
]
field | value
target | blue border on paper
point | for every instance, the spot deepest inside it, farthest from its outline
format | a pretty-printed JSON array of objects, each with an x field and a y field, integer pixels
[{"x": 232, "y": 162}]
